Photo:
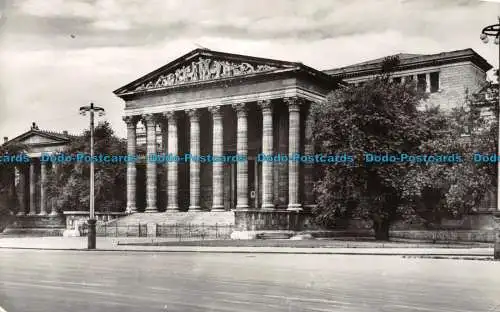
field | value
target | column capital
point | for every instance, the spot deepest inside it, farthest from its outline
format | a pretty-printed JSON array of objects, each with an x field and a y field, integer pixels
[
  {"x": 193, "y": 113},
  {"x": 241, "y": 109},
  {"x": 294, "y": 103},
  {"x": 265, "y": 104},
  {"x": 170, "y": 116},
  {"x": 216, "y": 111},
  {"x": 131, "y": 121},
  {"x": 148, "y": 119}
]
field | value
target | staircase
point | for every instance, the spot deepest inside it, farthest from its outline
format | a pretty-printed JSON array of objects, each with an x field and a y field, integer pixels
[{"x": 180, "y": 218}]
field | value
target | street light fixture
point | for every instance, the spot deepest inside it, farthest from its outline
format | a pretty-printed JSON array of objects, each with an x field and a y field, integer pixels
[
  {"x": 494, "y": 31},
  {"x": 91, "y": 109}
]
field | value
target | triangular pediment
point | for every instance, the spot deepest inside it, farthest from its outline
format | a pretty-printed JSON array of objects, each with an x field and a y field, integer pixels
[
  {"x": 200, "y": 66},
  {"x": 39, "y": 139},
  {"x": 34, "y": 137}
]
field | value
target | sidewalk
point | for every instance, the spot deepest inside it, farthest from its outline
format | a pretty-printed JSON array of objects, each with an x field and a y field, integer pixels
[{"x": 340, "y": 248}]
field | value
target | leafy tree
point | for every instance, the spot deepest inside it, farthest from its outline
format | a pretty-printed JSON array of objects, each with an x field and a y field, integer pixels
[
  {"x": 451, "y": 190},
  {"x": 70, "y": 186},
  {"x": 378, "y": 117}
]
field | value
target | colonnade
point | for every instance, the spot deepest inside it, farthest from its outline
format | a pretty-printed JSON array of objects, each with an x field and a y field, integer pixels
[
  {"x": 32, "y": 176},
  {"x": 168, "y": 120}
]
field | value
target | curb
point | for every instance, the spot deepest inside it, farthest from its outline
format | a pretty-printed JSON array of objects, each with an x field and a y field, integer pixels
[
  {"x": 160, "y": 244},
  {"x": 256, "y": 252}
]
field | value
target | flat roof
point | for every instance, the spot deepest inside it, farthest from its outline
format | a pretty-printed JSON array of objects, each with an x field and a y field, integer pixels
[{"x": 411, "y": 61}]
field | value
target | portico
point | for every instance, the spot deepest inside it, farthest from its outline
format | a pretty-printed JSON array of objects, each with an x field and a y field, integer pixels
[
  {"x": 214, "y": 103},
  {"x": 32, "y": 171}
]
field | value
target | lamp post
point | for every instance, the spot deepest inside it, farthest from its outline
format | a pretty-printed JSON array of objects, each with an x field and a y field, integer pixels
[
  {"x": 494, "y": 31},
  {"x": 91, "y": 109}
]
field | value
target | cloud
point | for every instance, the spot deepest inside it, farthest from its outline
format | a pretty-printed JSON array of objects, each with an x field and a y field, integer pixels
[
  {"x": 58, "y": 8},
  {"x": 45, "y": 70},
  {"x": 128, "y": 22}
]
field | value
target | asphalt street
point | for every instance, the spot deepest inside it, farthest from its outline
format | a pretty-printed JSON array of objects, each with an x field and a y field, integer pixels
[{"x": 76, "y": 281}]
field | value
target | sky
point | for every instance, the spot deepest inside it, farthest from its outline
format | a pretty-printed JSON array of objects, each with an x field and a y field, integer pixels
[{"x": 58, "y": 55}]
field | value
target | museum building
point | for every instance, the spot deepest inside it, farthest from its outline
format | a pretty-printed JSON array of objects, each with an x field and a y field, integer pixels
[
  {"x": 209, "y": 102},
  {"x": 221, "y": 104}
]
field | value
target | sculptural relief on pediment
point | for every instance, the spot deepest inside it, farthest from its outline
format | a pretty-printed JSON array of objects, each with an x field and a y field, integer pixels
[{"x": 203, "y": 70}]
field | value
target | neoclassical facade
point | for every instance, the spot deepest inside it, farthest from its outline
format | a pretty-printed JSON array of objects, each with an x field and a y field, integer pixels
[
  {"x": 221, "y": 104},
  {"x": 31, "y": 176}
]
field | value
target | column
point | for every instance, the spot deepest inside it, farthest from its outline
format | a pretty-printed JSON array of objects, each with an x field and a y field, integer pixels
[
  {"x": 149, "y": 122},
  {"x": 172, "y": 172},
  {"x": 267, "y": 149},
  {"x": 21, "y": 192},
  {"x": 43, "y": 188},
  {"x": 280, "y": 169},
  {"x": 194, "y": 165},
  {"x": 131, "y": 122},
  {"x": 308, "y": 167},
  {"x": 293, "y": 148},
  {"x": 53, "y": 201},
  {"x": 217, "y": 150},
  {"x": 427, "y": 82},
  {"x": 32, "y": 210},
  {"x": 242, "y": 151}
]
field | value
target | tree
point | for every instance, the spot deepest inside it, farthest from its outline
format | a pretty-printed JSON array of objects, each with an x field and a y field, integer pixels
[
  {"x": 452, "y": 190},
  {"x": 70, "y": 187},
  {"x": 377, "y": 117}
]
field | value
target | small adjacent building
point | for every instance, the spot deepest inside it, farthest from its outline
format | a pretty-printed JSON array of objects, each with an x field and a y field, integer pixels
[{"x": 31, "y": 177}]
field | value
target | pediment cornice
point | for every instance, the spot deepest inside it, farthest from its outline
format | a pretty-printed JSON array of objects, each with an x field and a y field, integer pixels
[
  {"x": 37, "y": 137},
  {"x": 204, "y": 66}
]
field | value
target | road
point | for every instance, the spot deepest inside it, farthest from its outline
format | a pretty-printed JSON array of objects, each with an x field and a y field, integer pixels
[{"x": 78, "y": 281}]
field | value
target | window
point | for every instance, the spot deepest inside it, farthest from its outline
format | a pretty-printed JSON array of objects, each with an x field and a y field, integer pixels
[
  {"x": 396, "y": 80},
  {"x": 434, "y": 82}
]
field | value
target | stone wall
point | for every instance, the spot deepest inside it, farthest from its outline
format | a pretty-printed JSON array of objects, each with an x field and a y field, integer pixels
[
  {"x": 80, "y": 217},
  {"x": 38, "y": 222},
  {"x": 484, "y": 236},
  {"x": 273, "y": 220},
  {"x": 454, "y": 80}
]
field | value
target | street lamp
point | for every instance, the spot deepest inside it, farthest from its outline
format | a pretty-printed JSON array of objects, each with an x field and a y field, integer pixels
[
  {"x": 494, "y": 31},
  {"x": 91, "y": 109}
]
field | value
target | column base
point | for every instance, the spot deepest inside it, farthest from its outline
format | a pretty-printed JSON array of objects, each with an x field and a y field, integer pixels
[
  {"x": 268, "y": 207},
  {"x": 21, "y": 213},
  {"x": 131, "y": 210},
  {"x": 151, "y": 210},
  {"x": 218, "y": 208},
  {"x": 31, "y": 214},
  {"x": 242, "y": 207},
  {"x": 194, "y": 208},
  {"x": 42, "y": 213},
  {"x": 294, "y": 207},
  {"x": 54, "y": 213},
  {"x": 172, "y": 209}
]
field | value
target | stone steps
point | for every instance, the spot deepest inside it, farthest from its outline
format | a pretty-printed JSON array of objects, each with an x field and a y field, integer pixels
[
  {"x": 182, "y": 218},
  {"x": 36, "y": 221},
  {"x": 35, "y": 232}
]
